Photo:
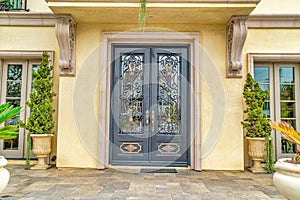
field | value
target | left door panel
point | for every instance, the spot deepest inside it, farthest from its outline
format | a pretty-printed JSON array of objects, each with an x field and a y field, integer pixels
[{"x": 15, "y": 88}]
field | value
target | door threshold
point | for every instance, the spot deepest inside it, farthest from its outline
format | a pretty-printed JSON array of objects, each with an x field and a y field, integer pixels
[{"x": 138, "y": 168}]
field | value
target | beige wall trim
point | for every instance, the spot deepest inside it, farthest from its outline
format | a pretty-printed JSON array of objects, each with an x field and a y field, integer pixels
[
  {"x": 235, "y": 39},
  {"x": 25, "y": 55},
  {"x": 66, "y": 37},
  {"x": 271, "y": 57},
  {"x": 273, "y": 21},
  {"x": 27, "y": 19},
  {"x": 104, "y": 84}
]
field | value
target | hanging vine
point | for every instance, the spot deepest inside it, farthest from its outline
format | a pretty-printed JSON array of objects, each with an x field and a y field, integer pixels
[{"x": 142, "y": 14}]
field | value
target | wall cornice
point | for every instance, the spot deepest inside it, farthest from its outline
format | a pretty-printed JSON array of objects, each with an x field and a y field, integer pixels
[
  {"x": 27, "y": 19},
  {"x": 274, "y": 21}
]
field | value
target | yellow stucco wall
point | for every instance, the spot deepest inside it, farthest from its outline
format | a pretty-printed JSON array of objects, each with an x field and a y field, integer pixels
[
  {"x": 38, "y": 6},
  {"x": 75, "y": 150},
  {"x": 277, "y": 7}
]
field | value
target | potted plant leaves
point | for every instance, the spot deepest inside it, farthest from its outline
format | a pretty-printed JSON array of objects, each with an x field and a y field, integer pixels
[
  {"x": 257, "y": 127},
  {"x": 287, "y": 176}
]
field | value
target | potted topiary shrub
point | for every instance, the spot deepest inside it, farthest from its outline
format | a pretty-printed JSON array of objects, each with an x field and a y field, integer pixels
[
  {"x": 7, "y": 112},
  {"x": 287, "y": 176},
  {"x": 40, "y": 123},
  {"x": 257, "y": 126}
]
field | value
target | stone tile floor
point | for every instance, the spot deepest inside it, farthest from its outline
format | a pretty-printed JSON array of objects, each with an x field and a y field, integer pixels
[{"x": 130, "y": 184}]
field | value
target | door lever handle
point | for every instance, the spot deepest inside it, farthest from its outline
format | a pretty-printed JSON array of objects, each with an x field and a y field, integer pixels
[
  {"x": 147, "y": 118},
  {"x": 152, "y": 120}
]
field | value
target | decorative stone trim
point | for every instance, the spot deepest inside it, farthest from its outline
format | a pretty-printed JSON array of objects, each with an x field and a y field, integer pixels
[
  {"x": 236, "y": 36},
  {"x": 27, "y": 19},
  {"x": 66, "y": 37},
  {"x": 273, "y": 21},
  {"x": 26, "y": 55},
  {"x": 271, "y": 57}
]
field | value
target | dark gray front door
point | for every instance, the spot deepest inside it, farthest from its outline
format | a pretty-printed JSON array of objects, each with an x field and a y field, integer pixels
[{"x": 150, "y": 105}]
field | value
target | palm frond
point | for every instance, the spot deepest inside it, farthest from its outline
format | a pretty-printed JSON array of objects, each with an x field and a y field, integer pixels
[
  {"x": 287, "y": 131},
  {"x": 3, "y": 107},
  {"x": 8, "y": 132},
  {"x": 8, "y": 113}
]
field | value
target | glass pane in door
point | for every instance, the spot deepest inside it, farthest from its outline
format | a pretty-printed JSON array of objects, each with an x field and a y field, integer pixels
[
  {"x": 287, "y": 104},
  {"x": 13, "y": 96},
  {"x": 169, "y": 94},
  {"x": 262, "y": 76},
  {"x": 131, "y": 94}
]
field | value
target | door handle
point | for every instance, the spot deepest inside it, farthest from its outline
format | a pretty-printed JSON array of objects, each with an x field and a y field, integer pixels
[
  {"x": 152, "y": 120},
  {"x": 147, "y": 117}
]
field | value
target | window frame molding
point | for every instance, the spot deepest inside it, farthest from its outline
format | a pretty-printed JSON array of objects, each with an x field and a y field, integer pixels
[{"x": 271, "y": 57}]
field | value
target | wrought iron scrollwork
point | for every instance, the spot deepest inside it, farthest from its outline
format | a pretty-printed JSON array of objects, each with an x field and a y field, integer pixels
[
  {"x": 131, "y": 95},
  {"x": 169, "y": 94}
]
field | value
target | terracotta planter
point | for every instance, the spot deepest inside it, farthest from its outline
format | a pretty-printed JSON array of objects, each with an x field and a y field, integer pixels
[
  {"x": 4, "y": 174},
  {"x": 287, "y": 179},
  {"x": 257, "y": 153},
  {"x": 41, "y": 147}
]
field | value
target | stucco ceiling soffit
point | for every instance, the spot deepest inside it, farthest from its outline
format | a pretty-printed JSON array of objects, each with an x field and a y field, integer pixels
[
  {"x": 235, "y": 40},
  {"x": 158, "y": 12},
  {"x": 66, "y": 37}
]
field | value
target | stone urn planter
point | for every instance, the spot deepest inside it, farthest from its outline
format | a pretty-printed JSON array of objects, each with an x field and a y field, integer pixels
[
  {"x": 41, "y": 147},
  {"x": 257, "y": 153},
  {"x": 4, "y": 174},
  {"x": 287, "y": 178}
]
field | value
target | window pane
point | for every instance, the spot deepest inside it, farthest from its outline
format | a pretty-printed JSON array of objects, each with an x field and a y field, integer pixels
[
  {"x": 14, "y": 72},
  {"x": 35, "y": 67},
  {"x": 287, "y": 92},
  {"x": 287, "y": 110},
  {"x": 286, "y": 146},
  {"x": 13, "y": 89},
  {"x": 287, "y": 75},
  {"x": 261, "y": 74},
  {"x": 264, "y": 86},
  {"x": 266, "y": 109}
]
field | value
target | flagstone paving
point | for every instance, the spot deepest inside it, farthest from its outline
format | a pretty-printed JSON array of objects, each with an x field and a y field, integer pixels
[{"x": 130, "y": 184}]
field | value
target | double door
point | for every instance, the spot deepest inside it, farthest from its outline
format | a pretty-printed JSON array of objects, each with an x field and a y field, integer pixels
[{"x": 150, "y": 105}]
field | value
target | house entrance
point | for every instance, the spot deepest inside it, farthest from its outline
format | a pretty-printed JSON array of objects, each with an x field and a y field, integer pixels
[{"x": 150, "y": 105}]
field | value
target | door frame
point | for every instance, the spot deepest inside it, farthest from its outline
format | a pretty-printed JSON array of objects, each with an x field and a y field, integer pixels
[
  {"x": 151, "y": 38},
  {"x": 151, "y": 158}
]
